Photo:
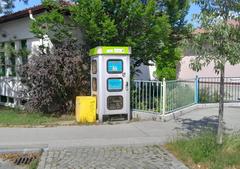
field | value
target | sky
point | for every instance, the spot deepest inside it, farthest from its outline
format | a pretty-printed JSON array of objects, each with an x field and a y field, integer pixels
[{"x": 20, "y": 6}]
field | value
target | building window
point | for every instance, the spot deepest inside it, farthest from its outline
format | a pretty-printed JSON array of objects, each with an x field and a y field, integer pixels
[
  {"x": 10, "y": 100},
  {"x": 3, "y": 99},
  {"x": 23, "y": 44},
  {"x": 2, "y": 64},
  {"x": 1, "y": 46},
  {"x": 24, "y": 52},
  {"x": 12, "y": 61},
  {"x": 2, "y": 60}
]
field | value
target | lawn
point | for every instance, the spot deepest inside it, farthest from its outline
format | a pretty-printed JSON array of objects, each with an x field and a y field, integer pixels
[
  {"x": 202, "y": 152},
  {"x": 12, "y": 117}
]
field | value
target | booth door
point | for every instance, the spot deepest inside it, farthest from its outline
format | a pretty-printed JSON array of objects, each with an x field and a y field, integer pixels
[{"x": 117, "y": 85}]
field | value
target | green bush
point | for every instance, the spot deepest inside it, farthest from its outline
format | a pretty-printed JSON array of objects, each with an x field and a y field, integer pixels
[{"x": 205, "y": 96}]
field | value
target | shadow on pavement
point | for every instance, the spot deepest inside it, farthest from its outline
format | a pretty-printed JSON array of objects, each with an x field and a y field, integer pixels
[{"x": 191, "y": 127}]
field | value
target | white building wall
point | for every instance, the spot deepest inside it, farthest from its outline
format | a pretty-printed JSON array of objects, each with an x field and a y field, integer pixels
[
  {"x": 145, "y": 72},
  {"x": 15, "y": 31},
  {"x": 185, "y": 72}
]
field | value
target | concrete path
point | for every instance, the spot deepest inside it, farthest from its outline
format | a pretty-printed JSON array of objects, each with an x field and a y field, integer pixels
[
  {"x": 97, "y": 135},
  {"x": 144, "y": 132}
]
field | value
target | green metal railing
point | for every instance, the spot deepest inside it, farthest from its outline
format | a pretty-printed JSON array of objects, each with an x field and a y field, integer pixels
[
  {"x": 162, "y": 97},
  {"x": 179, "y": 94}
]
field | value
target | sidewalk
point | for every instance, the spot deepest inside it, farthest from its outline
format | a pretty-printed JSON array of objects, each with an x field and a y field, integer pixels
[
  {"x": 147, "y": 132},
  {"x": 144, "y": 132}
]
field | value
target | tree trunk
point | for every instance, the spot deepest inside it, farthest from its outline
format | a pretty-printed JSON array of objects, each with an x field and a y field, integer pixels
[{"x": 221, "y": 108}]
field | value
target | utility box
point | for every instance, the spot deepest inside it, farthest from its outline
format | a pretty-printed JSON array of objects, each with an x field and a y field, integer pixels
[
  {"x": 110, "y": 80},
  {"x": 85, "y": 109}
]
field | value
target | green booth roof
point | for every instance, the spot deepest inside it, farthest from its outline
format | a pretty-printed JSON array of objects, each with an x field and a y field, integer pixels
[{"x": 110, "y": 50}]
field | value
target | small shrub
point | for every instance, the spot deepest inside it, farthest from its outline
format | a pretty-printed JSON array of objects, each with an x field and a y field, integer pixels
[
  {"x": 54, "y": 78},
  {"x": 206, "y": 96}
]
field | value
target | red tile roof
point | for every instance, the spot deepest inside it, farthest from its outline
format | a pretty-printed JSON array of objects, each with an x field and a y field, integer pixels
[
  {"x": 233, "y": 22},
  {"x": 202, "y": 30},
  {"x": 24, "y": 13},
  {"x": 21, "y": 14}
]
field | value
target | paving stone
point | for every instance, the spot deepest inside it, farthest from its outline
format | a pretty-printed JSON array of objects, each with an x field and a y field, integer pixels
[{"x": 111, "y": 157}]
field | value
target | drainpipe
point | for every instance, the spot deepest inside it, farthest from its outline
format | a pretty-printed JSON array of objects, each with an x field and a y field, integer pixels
[
  {"x": 33, "y": 19},
  {"x": 31, "y": 15}
]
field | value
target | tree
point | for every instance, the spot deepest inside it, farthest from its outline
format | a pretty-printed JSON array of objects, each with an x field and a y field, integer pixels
[
  {"x": 220, "y": 42},
  {"x": 176, "y": 10},
  {"x": 127, "y": 22},
  {"x": 6, "y": 6},
  {"x": 152, "y": 28}
]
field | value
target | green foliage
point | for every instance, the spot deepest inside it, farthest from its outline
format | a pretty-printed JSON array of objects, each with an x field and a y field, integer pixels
[
  {"x": 203, "y": 150},
  {"x": 126, "y": 22},
  {"x": 205, "y": 96},
  {"x": 221, "y": 41},
  {"x": 152, "y": 28},
  {"x": 34, "y": 164},
  {"x": 53, "y": 23},
  {"x": 176, "y": 11}
]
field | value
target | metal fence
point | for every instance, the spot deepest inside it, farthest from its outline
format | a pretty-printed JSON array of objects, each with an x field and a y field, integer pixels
[
  {"x": 209, "y": 89},
  {"x": 162, "y": 97},
  {"x": 147, "y": 96},
  {"x": 179, "y": 94}
]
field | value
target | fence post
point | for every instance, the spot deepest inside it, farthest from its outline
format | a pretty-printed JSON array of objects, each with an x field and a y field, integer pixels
[
  {"x": 164, "y": 97},
  {"x": 196, "y": 90}
]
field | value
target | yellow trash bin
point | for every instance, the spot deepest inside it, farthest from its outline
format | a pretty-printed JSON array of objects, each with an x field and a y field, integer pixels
[{"x": 86, "y": 109}]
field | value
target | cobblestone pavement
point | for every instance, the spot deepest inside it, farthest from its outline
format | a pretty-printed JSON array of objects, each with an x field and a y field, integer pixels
[
  {"x": 111, "y": 157},
  {"x": 9, "y": 165}
]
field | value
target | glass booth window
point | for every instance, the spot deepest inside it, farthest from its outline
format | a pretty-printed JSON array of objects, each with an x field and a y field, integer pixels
[
  {"x": 94, "y": 67},
  {"x": 114, "y": 66},
  {"x": 114, "y": 102},
  {"x": 114, "y": 84},
  {"x": 94, "y": 84}
]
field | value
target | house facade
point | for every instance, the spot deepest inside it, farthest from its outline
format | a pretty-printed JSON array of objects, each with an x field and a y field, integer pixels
[
  {"x": 185, "y": 72},
  {"x": 15, "y": 34}
]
